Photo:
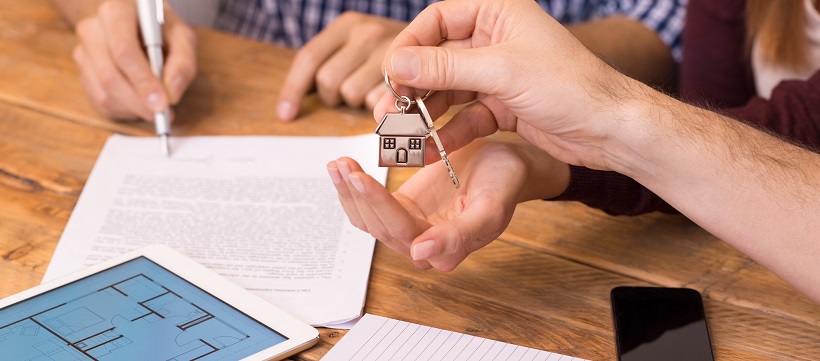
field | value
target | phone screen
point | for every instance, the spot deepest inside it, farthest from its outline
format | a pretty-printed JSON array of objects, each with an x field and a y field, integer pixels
[{"x": 660, "y": 324}]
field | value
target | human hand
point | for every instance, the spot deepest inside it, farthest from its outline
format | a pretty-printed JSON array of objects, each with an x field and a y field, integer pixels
[
  {"x": 344, "y": 61},
  {"x": 437, "y": 225},
  {"x": 525, "y": 72},
  {"x": 115, "y": 71}
]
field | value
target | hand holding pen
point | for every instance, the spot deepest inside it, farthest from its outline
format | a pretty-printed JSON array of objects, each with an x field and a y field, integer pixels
[
  {"x": 115, "y": 71},
  {"x": 151, "y": 17}
]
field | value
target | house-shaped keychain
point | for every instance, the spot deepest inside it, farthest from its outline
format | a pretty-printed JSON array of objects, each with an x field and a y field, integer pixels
[{"x": 401, "y": 140}]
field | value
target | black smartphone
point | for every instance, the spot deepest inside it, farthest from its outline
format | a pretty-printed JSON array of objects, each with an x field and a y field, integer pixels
[{"x": 660, "y": 324}]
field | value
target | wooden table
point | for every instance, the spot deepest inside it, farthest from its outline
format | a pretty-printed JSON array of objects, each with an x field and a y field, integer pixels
[{"x": 544, "y": 283}]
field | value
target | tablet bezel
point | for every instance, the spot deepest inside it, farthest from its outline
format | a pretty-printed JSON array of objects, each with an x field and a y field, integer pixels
[{"x": 300, "y": 336}]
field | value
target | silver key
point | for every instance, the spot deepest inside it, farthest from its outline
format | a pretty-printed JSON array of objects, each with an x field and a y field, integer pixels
[{"x": 432, "y": 129}]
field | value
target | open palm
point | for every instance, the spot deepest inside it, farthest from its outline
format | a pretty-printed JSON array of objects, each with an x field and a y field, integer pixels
[{"x": 427, "y": 218}]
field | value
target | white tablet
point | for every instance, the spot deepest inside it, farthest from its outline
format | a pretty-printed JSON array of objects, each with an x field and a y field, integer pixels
[{"x": 150, "y": 304}]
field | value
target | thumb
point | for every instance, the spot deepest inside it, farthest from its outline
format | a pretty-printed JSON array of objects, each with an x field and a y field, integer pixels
[
  {"x": 446, "y": 245},
  {"x": 439, "y": 68}
]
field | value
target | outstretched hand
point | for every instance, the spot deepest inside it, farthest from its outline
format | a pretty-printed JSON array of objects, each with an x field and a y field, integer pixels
[{"x": 433, "y": 223}]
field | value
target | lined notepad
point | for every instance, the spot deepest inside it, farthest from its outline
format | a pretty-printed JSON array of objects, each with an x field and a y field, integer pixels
[{"x": 376, "y": 338}]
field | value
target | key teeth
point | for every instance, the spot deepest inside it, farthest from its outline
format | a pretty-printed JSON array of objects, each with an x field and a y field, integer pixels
[
  {"x": 455, "y": 180},
  {"x": 431, "y": 129},
  {"x": 450, "y": 169}
]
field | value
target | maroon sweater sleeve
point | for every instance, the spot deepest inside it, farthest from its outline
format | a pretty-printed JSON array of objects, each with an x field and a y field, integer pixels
[
  {"x": 611, "y": 192},
  {"x": 715, "y": 72},
  {"x": 793, "y": 112}
]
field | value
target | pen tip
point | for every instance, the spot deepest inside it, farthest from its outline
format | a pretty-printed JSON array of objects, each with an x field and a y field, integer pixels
[{"x": 164, "y": 147}]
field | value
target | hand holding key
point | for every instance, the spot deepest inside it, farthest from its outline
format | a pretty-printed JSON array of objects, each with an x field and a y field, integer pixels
[{"x": 517, "y": 69}]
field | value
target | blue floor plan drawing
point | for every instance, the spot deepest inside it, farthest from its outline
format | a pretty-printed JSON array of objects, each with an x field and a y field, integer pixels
[{"x": 135, "y": 318}]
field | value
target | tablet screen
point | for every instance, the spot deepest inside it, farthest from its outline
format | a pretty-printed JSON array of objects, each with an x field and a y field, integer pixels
[{"x": 137, "y": 310}]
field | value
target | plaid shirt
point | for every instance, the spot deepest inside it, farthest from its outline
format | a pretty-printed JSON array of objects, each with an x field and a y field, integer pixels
[{"x": 293, "y": 22}]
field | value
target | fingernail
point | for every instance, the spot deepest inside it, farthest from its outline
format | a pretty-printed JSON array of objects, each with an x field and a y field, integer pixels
[
  {"x": 357, "y": 183},
  {"x": 344, "y": 169},
  {"x": 405, "y": 65},
  {"x": 334, "y": 175},
  {"x": 285, "y": 110},
  {"x": 424, "y": 250},
  {"x": 156, "y": 102}
]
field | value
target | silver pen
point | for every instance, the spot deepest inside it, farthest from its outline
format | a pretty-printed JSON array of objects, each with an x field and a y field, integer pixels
[{"x": 151, "y": 17}]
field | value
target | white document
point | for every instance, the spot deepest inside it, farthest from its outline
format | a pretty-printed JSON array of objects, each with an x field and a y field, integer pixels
[
  {"x": 260, "y": 210},
  {"x": 376, "y": 338}
]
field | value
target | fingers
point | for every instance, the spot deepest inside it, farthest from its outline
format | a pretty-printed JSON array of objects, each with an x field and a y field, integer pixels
[
  {"x": 413, "y": 51},
  {"x": 494, "y": 176},
  {"x": 339, "y": 67},
  {"x": 358, "y": 84},
  {"x": 439, "y": 68},
  {"x": 345, "y": 196},
  {"x": 416, "y": 58},
  {"x": 473, "y": 122},
  {"x": 119, "y": 19},
  {"x": 300, "y": 77},
  {"x": 180, "y": 66},
  {"x": 446, "y": 245},
  {"x": 115, "y": 71},
  {"x": 357, "y": 184},
  {"x": 372, "y": 208},
  {"x": 100, "y": 98},
  {"x": 450, "y": 20},
  {"x": 307, "y": 62},
  {"x": 344, "y": 62},
  {"x": 437, "y": 104},
  {"x": 374, "y": 95},
  {"x": 385, "y": 104},
  {"x": 109, "y": 91}
]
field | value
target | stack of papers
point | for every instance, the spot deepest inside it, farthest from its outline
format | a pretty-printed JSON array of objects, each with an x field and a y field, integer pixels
[{"x": 261, "y": 211}]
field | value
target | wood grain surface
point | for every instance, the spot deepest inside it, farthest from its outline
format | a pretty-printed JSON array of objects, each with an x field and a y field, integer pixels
[{"x": 544, "y": 283}]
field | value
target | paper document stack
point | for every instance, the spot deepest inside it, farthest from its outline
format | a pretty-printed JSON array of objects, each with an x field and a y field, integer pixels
[{"x": 260, "y": 210}]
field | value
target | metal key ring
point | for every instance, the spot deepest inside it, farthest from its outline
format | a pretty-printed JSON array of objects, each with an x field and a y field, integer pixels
[
  {"x": 406, "y": 100},
  {"x": 399, "y": 97}
]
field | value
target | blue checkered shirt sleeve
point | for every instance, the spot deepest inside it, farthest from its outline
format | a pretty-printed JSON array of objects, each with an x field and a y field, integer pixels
[{"x": 293, "y": 22}]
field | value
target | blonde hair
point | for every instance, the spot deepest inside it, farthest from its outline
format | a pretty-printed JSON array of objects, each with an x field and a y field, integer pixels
[{"x": 780, "y": 30}]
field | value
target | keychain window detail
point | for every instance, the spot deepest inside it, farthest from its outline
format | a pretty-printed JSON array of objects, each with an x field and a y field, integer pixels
[{"x": 389, "y": 143}]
